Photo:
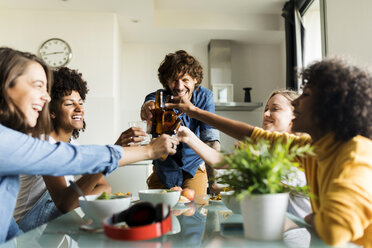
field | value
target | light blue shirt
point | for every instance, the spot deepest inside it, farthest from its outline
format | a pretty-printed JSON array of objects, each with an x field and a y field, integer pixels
[{"x": 22, "y": 154}]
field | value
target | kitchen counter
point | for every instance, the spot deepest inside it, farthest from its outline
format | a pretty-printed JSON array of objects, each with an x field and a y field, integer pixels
[{"x": 237, "y": 106}]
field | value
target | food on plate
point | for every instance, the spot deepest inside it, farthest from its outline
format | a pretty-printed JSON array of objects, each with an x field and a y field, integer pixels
[
  {"x": 188, "y": 193},
  {"x": 118, "y": 193},
  {"x": 226, "y": 189},
  {"x": 216, "y": 198},
  {"x": 105, "y": 196},
  {"x": 167, "y": 190},
  {"x": 176, "y": 188},
  {"x": 183, "y": 199}
]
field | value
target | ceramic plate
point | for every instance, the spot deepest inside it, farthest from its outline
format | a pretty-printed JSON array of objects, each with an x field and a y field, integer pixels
[{"x": 183, "y": 202}]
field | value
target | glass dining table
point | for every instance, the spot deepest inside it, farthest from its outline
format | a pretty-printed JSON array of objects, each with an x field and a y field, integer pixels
[{"x": 201, "y": 223}]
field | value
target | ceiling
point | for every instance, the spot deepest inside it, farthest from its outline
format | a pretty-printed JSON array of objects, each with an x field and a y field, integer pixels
[{"x": 194, "y": 21}]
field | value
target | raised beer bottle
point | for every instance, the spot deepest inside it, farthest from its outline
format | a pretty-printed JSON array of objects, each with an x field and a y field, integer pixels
[
  {"x": 169, "y": 119},
  {"x": 157, "y": 114}
]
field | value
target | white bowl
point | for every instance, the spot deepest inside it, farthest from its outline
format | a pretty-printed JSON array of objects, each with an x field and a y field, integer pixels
[
  {"x": 97, "y": 210},
  {"x": 230, "y": 201},
  {"x": 156, "y": 196}
]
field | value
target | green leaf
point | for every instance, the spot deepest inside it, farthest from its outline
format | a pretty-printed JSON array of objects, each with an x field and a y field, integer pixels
[{"x": 260, "y": 168}]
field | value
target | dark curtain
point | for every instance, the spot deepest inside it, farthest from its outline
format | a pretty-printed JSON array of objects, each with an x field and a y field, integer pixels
[{"x": 294, "y": 39}]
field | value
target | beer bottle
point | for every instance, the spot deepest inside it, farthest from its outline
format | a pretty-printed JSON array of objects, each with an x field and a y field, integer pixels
[
  {"x": 157, "y": 114},
  {"x": 169, "y": 118}
]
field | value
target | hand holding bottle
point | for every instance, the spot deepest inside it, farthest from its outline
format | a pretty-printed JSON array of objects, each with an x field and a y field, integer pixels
[{"x": 146, "y": 109}]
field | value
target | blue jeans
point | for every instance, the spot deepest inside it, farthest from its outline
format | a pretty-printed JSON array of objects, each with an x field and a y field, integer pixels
[
  {"x": 13, "y": 230},
  {"x": 43, "y": 211}
]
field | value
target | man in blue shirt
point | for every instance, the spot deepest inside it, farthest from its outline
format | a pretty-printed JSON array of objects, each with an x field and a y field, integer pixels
[{"x": 181, "y": 75}]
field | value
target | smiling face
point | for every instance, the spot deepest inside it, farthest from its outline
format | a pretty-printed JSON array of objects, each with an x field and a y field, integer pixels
[
  {"x": 183, "y": 86},
  {"x": 304, "y": 120},
  {"x": 278, "y": 114},
  {"x": 70, "y": 114},
  {"x": 29, "y": 92}
]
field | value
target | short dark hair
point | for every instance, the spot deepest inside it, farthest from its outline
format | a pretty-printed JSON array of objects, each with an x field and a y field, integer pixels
[
  {"x": 67, "y": 80},
  {"x": 13, "y": 64},
  {"x": 177, "y": 64},
  {"x": 342, "y": 97}
]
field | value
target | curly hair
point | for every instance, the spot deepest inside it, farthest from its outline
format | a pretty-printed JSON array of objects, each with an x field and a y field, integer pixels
[
  {"x": 65, "y": 81},
  {"x": 13, "y": 64},
  {"x": 342, "y": 97},
  {"x": 177, "y": 64}
]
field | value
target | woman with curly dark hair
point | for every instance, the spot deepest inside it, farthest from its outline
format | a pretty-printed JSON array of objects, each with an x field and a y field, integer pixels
[
  {"x": 335, "y": 109},
  {"x": 43, "y": 198}
]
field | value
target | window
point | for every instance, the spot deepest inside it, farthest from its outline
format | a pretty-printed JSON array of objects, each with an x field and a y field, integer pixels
[{"x": 313, "y": 44}]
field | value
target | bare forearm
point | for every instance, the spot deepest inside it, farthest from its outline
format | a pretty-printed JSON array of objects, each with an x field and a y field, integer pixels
[
  {"x": 205, "y": 152},
  {"x": 93, "y": 184},
  {"x": 65, "y": 198},
  {"x": 162, "y": 145},
  {"x": 236, "y": 129},
  {"x": 135, "y": 154}
]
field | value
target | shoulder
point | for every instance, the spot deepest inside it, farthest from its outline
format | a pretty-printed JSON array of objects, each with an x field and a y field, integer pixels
[
  {"x": 360, "y": 149},
  {"x": 202, "y": 97},
  {"x": 150, "y": 96},
  {"x": 201, "y": 91}
]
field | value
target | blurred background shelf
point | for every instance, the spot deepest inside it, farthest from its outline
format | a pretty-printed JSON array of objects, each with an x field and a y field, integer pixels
[{"x": 237, "y": 106}]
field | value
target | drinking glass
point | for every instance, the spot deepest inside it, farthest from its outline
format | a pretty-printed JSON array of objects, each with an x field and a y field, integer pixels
[{"x": 144, "y": 127}]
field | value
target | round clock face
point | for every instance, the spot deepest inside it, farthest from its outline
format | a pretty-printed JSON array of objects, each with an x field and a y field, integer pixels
[{"x": 55, "y": 52}]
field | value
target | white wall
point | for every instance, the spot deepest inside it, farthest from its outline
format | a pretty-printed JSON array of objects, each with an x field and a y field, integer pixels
[
  {"x": 259, "y": 67},
  {"x": 349, "y": 28},
  {"x": 95, "y": 43}
]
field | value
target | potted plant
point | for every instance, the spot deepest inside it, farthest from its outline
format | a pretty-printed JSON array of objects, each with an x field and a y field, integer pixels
[{"x": 256, "y": 173}]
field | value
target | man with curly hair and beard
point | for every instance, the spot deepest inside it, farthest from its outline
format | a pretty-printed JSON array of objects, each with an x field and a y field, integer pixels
[
  {"x": 335, "y": 109},
  {"x": 181, "y": 75}
]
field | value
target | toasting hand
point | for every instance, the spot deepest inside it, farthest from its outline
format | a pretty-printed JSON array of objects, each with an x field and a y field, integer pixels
[
  {"x": 131, "y": 137},
  {"x": 164, "y": 145}
]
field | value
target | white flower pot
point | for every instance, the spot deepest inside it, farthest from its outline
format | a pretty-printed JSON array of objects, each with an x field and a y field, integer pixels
[{"x": 264, "y": 216}]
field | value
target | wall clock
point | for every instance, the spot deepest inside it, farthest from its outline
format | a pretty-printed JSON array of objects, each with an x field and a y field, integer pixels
[{"x": 55, "y": 52}]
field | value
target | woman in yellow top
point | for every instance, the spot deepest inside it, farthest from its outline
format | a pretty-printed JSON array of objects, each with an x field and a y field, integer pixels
[{"x": 335, "y": 109}]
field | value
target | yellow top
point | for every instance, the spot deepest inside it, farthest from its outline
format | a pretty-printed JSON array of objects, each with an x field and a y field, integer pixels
[{"x": 340, "y": 176}]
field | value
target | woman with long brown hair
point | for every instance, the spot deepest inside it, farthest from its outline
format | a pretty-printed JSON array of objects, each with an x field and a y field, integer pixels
[{"x": 24, "y": 96}]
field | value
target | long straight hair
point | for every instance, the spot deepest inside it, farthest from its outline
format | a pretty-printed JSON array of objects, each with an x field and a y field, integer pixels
[{"x": 13, "y": 64}]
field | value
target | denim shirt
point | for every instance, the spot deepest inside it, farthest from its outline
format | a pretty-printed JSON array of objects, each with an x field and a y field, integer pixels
[
  {"x": 22, "y": 154},
  {"x": 170, "y": 171}
]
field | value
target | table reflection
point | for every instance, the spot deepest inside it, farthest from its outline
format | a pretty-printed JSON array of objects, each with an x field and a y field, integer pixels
[{"x": 195, "y": 224}]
